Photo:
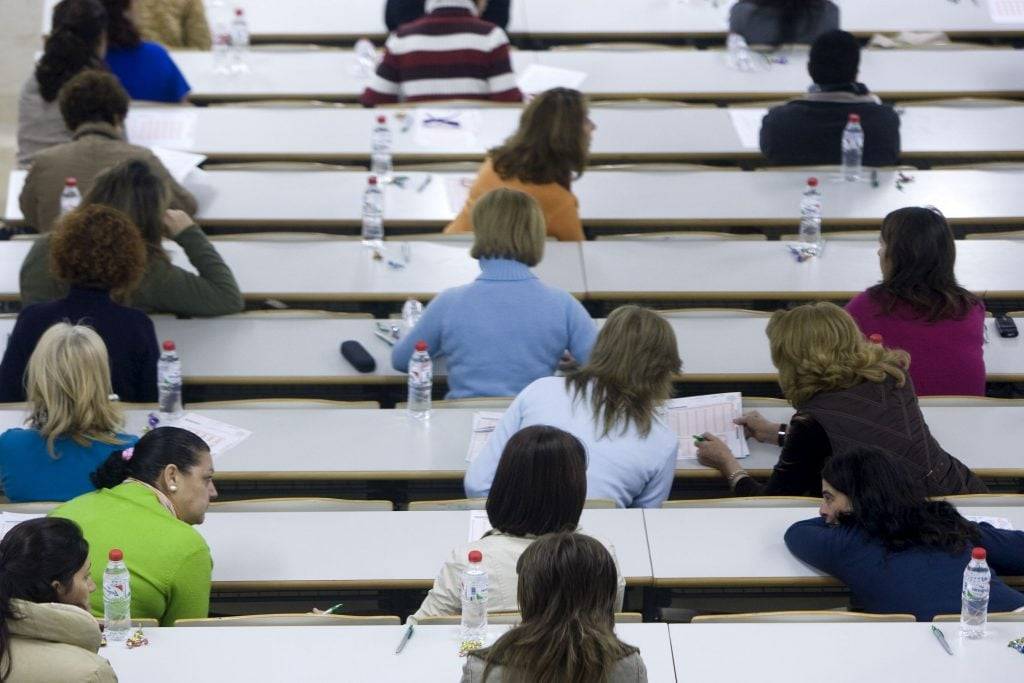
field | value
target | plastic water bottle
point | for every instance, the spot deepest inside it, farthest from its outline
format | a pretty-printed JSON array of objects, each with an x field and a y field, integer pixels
[
  {"x": 366, "y": 58},
  {"x": 373, "y": 214},
  {"x": 475, "y": 586},
  {"x": 853, "y": 149},
  {"x": 117, "y": 599},
  {"x": 810, "y": 218},
  {"x": 421, "y": 382},
  {"x": 380, "y": 146},
  {"x": 220, "y": 35},
  {"x": 239, "y": 42},
  {"x": 974, "y": 604},
  {"x": 70, "y": 197},
  {"x": 168, "y": 371},
  {"x": 738, "y": 53},
  {"x": 412, "y": 311}
]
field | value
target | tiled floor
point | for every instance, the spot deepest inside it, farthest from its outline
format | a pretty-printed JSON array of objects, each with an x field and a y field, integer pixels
[{"x": 20, "y": 23}]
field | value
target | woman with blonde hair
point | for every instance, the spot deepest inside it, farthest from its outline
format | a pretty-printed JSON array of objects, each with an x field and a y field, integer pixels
[
  {"x": 848, "y": 393},
  {"x": 506, "y": 328},
  {"x": 72, "y": 424},
  {"x": 612, "y": 404},
  {"x": 542, "y": 158},
  {"x": 566, "y": 595}
]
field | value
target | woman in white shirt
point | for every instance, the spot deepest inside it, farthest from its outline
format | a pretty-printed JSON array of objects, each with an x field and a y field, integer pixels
[
  {"x": 539, "y": 488},
  {"x": 613, "y": 405}
]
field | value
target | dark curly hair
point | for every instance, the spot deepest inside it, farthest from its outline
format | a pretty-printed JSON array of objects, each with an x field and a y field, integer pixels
[
  {"x": 121, "y": 30},
  {"x": 97, "y": 246},
  {"x": 76, "y": 32},
  {"x": 92, "y": 96}
]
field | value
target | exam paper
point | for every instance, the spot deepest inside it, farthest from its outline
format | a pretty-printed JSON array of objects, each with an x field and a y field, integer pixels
[
  {"x": 179, "y": 164},
  {"x": 997, "y": 522},
  {"x": 1006, "y": 11},
  {"x": 457, "y": 189},
  {"x": 458, "y": 128},
  {"x": 747, "y": 123},
  {"x": 713, "y": 413},
  {"x": 483, "y": 424},
  {"x": 479, "y": 524},
  {"x": 8, "y": 520},
  {"x": 536, "y": 78},
  {"x": 171, "y": 128},
  {"x": 15, "y": 181},
  {"x": 219, "y": 436}
]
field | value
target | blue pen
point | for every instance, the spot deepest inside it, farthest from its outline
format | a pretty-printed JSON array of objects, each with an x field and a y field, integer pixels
[{"x": 406, "y": 637}]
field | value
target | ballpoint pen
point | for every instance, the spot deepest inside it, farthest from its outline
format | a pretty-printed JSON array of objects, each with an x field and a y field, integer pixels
[
  {"x": 406, "y": 637},
  {"x": 333, "y": 610},
  {"x": 941, "y": 637}
]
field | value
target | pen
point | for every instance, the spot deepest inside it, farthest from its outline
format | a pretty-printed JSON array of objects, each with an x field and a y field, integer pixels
[
  {"x": 426, "y": 181},
  {"x": 405, "y": 639},
  {"x": 332, "y": 610},
  {"x": 940, "y": 636}
]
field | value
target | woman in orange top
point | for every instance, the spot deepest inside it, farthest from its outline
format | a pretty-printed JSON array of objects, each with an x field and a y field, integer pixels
[{"x": 541, "y": 158}]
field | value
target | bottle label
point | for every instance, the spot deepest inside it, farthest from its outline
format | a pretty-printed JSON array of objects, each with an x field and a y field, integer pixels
[
  {"x": 421, "y": 374},
  {"x": 118, "y": 589}
]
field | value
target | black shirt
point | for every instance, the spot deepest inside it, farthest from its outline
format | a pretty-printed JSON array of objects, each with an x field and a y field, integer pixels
[{"x": 398, "y": 12}]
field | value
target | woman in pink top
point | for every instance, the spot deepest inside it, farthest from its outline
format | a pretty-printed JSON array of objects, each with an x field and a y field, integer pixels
[{"x": 919, "y": 306}]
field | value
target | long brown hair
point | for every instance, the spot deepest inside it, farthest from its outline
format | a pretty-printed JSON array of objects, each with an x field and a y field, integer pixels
[
  {"x": 818, "y": 347},
  {"x": 567, "y": 588},
  {"x": 132, "y": 187},
  {"x": 630, "y": 370},
  {"x": 550, "y": 145}
]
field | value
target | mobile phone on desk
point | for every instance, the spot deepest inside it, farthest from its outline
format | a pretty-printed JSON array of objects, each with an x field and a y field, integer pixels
[{"x": 1006, "y": 327}]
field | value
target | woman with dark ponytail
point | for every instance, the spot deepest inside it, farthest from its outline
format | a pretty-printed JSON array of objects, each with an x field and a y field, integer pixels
[
  {"x": 149, "y": 498},
  {"x": 145, "y": 69},
  {"x": 77, "y": 40},
  {"x": 46, "y": 632},
  {"x": 782, "y": 22}
]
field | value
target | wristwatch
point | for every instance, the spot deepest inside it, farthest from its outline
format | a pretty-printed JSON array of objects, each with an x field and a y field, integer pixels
[{"x": 782, "y": 434}]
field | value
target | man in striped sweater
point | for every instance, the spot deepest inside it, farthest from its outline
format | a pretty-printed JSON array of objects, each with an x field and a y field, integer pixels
[{"x": 450, "y": 53}]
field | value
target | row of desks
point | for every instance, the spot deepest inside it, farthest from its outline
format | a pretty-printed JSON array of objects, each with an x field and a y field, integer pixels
[
  {"x": 351, "y": 444},
  {"x": 640, "y": 133},
  {"x": 771, "y": 653},
  {"x": 603, "y": 270},
  {"x": 344, "y": 20},
  {"x": 628, "y": 74},
  {"x": 608, "y": 199}
]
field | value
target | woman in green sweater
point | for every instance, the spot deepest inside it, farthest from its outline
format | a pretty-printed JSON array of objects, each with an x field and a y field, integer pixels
[
  {"x": 133, "y": 187},
  {"x": 147, "y": 501}
]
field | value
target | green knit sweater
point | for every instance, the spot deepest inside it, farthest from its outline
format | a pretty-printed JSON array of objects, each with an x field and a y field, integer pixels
[{"x": 169, "y": 561}]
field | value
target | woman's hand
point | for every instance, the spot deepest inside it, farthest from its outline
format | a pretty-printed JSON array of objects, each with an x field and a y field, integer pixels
[
  {"x": 712, "y": 452},
  {"x": 175, "y": 222},
  {"x": 755, "y": 425}
]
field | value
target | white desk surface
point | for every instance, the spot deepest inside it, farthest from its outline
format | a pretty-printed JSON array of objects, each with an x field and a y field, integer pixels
[
  {"x": 689, "y": 74},
  {"x": 322, "y": 654},
  {"x": 233, "y": 133},
  {"x": 849, "y": 653},
  {"x": 682, "y": 269},
  {"x": 300, "y": 199},
  {"x": 340, "y": 270},
  {"x": 743, "y": 546},
  {"x": 291, "y": 550}
]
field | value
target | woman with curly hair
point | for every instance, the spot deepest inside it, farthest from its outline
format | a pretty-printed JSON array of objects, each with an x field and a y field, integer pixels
[
  {"x": 145, "y": 68},
  {"x": 848, "y": 393},
  {"x": 99, "y": 253}
]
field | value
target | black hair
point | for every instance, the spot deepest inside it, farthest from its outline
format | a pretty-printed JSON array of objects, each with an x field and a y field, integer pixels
[
  {"x": 891, "y": 506},
  {"x": 792, "y": 14},
  {"x": 33, "y": 555},
  {"x": 540, "y": 484},
  {"x": 156, "y": 450},
  {"x": 834, "y": 58},
  {"x": 921, "y": 253},
  {"x": 121, "y": 30},
  {"x": 77, "y": 28}
]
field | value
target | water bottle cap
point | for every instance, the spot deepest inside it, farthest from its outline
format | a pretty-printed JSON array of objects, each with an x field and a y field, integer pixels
[
  {"x": 71, "y": 182},
  {"x": 372, "y": 180},
  {"x": 169, "y": 345},
  {"x": 475, "y": 556},
  {"x": 115, "y": 555},
  {"x": 979, "y": 554},
  {"x": 239, "y": 12},
  {"x": 382, "y": 119},
  {"x": 812, "y": 182},
  {"x": 421, "y": 345},
  {"x": 854, "y": 118}
]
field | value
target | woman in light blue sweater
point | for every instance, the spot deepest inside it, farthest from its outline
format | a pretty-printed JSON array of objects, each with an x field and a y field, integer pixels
[
  {"x": 613, "y": 405},
  {"x": 506, "y": 328}
]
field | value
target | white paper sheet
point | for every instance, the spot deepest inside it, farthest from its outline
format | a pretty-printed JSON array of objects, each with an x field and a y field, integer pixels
[
  {"x": 179, "y": 164},
  {"x": 8, "y": 520},
  {"x": 15, "y": 181},
  {"x": 747, "y": 124},
  {"x": 457, "y": 189},
  {"x": 713, "y": 413},
  {"x": 483, "y": 424},
  {"x": 445, "y": 129},
  {"x": 479, "y": 524},
  {"x": 1006, "y": 11},
  {"x": 536, "y": 78},
  {"x": 219, "y": 436},
  {"x": 997, "y": 522},
  {"x": 171, "y": 128}
]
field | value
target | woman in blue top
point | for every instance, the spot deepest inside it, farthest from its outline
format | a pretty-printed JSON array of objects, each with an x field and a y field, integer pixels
[
  {"x": 145, "y": 69},
  {"x": 72, "y": 424},
  {"x": 507, "y": 328},
  {"x": 898, "y": 551}
]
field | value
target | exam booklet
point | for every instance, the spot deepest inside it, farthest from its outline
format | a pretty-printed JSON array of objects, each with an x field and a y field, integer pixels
[
  {"x": 483, "y": 424},
  {"x": 713, "y": 413},
  {"x": 219, "y": 436}
]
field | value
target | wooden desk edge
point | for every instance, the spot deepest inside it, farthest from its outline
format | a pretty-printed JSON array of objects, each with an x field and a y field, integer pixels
[{"x": 360, "y": 584}]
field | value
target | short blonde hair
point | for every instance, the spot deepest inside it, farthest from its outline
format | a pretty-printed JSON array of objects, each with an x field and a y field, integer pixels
[
  {"x": 818, "y": 347},
  {"x": 508, "y": 224},
  {"x": 68, "y": 387}
]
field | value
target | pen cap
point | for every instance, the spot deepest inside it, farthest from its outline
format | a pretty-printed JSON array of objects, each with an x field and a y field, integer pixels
[
  {"x": 475, "y": 556},
  {"x": 978, "y": 554}
]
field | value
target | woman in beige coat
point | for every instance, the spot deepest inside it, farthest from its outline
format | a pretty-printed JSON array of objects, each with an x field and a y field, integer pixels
[{"x": 46, "y": 631}]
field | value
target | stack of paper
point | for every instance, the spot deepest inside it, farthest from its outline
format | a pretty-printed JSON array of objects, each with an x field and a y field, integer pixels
[
  {"x": 219, "y": 436},
  {"x": 8, "y": 520},
  {"x": 714, "y": 413},
  {"x": 483, "y": 424},
  {"x": 536, "y": 78},
  {"x": 170, "y": 127}
]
